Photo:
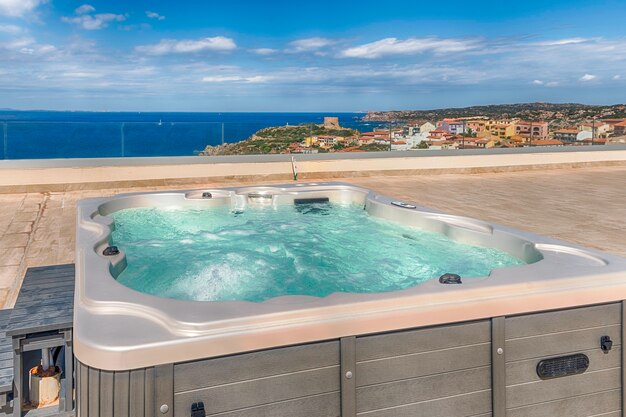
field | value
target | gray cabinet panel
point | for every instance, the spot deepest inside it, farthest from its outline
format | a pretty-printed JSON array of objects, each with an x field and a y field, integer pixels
[
  {"x": 526, "y": 371},
  {"x": 597, "y": 404},
  {"x": 555, "y": 344},
  {"x": 260, "y": 391},
  {"x": 467, "y": 405},
  {"x": 422, "y": 364},
  {"x": 409, "y": 391},
  {"x": 558, "y": 388},
  {"x": 137, "y": 393},
  {"x": 324, "y": 405},
  {"x": 422, "y": 340},
  {"x": 562, "y": 320},
  {"x": 121, "y": 394},
  {"x": 194, "y": 375},
  {"x": 443, "y": 371}
]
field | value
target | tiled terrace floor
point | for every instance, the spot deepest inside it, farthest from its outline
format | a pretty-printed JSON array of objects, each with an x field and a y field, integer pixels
[{"x": 586, "y": 206}]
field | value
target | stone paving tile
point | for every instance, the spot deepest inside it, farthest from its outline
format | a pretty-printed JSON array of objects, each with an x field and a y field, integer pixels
[
  {"x": 44, "y": 232},
  {"x": 28, "y": 216},
  {"x": 41, "y": 257},
  {"x": 13, "y": 240},
  {"x": 4, "y": 224},
  {"x": 8, "y": 275},
  {"x": 19, "y": 227},
  {"x": 606, "y": 239},
  {"x": 12, "y": 256},
  {"x": 4, "y": 227},
  {"x": 8, "y": 213},
  {"x": 4, "y": 296},
  {"x": 30, "y": 209}
]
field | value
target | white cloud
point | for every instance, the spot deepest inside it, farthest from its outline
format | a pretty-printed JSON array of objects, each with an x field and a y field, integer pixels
[
  {"x": 85, "y": 8},
  {"x": 561, "y": 42},
  {"x": 309, "y": 44},
  {"x": 27, "y": 46},
  {"x": 345, "y": 77},
  {"x": 394, "y": 46},
  {"x": 259, "y": 79},
  {"x": 491, "y": 63},
  {"x": 17, "y": 44},
  {"x": 600, "y": 58},
  {"x": 11, "y": 29},
  {"x": 95, "y": 22},
  {"x": 17, "y": 8},
  {"x": 83, "y": 74},
  {"x": 139, "y": 26},
  {"x": 154, "y": 15},
  {"x": 222, "y": 78},
  {"x": 264, "y": 51},
  {"x": 617, "y": 77},
  {"x": 89, "y": 21},
  {"x": 168, "y": 46},
  {"x": 545, "y": 83},
  {"x": 38, "y": 50},
  {"x": 237, "y": 78}
]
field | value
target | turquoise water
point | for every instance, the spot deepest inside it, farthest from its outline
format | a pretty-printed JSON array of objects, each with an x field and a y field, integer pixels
[{"x": 264, "y": 252}]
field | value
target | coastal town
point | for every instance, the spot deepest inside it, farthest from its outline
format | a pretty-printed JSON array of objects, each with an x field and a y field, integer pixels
[
  {"x": 467, "y": 133},
  {"x": 472, "y": 132}
]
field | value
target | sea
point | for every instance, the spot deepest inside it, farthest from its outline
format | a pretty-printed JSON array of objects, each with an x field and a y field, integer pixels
[{"x": 76, "y": 134}]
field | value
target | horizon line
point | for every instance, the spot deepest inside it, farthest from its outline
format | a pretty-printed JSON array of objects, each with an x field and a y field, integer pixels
[{"x": 304, "y": 111}]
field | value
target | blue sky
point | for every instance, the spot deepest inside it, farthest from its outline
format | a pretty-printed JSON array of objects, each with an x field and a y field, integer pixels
[{"x": 308, "y": 56}]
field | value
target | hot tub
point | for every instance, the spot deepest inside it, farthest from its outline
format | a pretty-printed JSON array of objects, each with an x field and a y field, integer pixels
[{"x": 437, "y": 347}]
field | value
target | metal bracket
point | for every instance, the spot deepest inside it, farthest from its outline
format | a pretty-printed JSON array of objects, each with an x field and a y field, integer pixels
[{"x": 606, "y": 344}]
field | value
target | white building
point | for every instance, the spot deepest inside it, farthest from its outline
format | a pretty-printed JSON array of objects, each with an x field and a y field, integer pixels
[
  {"x": 414, "y": 129},
  {"x": 414, "y": 140},
  {"x": 427, "y": 128},
  {"x": 400, "y": 145},
  {"x": 602, "y": 129}
]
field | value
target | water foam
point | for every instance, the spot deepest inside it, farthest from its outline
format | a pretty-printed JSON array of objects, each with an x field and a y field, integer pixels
[{"x": 265, "y": 252}]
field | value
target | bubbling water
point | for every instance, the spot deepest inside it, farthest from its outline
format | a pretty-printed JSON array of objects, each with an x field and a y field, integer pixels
[{"x": 214, "y": 254}]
